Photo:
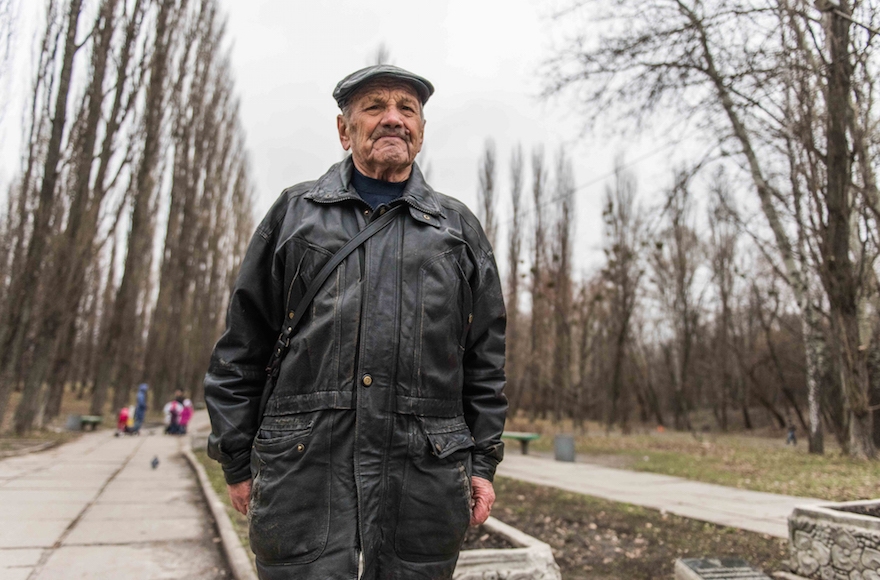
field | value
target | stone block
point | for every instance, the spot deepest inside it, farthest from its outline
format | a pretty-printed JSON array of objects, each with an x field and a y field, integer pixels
[
  {"x": 532, "y": 559},
  {"x": 836, "y": 540},
  {"x": 716, "y": 569}
]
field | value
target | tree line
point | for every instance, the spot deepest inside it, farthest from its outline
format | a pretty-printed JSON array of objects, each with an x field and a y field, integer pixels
[
  {"x": 768, "y": 297},
  {"x": 130, "y": 212}
]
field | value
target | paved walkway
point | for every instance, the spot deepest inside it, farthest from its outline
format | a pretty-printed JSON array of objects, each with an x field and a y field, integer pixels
[
  {"x": 95, "y": 509},
  {"x": 764, "y": 513}
]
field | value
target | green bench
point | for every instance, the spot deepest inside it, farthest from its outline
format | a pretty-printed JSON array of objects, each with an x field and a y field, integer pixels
[
  {"x": 522, "y": 437},
  {"x": 89, "y": 422}
]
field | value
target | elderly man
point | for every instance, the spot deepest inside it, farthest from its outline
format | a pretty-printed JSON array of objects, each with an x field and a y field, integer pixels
[{"x": 374, "y": 441}]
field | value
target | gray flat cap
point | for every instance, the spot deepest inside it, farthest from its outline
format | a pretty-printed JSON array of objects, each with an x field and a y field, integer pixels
[{"x": 355, "y": 80}]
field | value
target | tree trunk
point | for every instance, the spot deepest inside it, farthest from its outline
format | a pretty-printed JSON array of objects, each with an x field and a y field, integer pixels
[
  {"x": 839, "y": 276},
  {"x": 24, "y": 294}
]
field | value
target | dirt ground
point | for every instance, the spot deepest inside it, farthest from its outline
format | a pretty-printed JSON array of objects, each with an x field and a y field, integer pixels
[{"x": 600, "y": 540}]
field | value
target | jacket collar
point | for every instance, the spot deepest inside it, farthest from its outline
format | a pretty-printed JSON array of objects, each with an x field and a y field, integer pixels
[{"x": 335, "y": 186}]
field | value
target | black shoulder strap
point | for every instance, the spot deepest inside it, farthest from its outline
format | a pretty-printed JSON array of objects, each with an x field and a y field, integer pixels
[{"x": 294, "y": 314}]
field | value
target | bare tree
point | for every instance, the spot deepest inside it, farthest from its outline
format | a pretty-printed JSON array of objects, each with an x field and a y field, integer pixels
[
  {"x": 121, "y": 342},
  {"x": 21, "y": 289},
  {"x": 675, "y": 260},
  {"x": 563, "y": 236},
  {"x": 514, "y": 253},
  {"x": 8, "y": 19},
  {"x": 722, "y": 246},
  {"x": 536, "y": 374},
  {"x": 486, "y": 192},
  {"x": 738, "y": 70},
  {"x": 624, "y": 228}
]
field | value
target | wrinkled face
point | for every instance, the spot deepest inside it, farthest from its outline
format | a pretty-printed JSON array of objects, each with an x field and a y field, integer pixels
[{"x": 383, "y": 127}]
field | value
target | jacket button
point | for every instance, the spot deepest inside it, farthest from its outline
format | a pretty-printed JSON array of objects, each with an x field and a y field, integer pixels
[
  {"x": 368, "y": 380},
  {"x": 300, "y": 448},
  {"x": 382, "y": 211},
  {"x": 366, "y": 212}
]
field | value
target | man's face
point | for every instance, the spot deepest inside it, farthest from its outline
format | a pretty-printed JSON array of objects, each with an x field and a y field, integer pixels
[{"x": 383, "y": 129}]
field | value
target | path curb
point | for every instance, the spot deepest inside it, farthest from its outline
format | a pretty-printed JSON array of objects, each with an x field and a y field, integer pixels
[
  {"x": 238, "y": 560},
  {"x": 32, "y": 449}
]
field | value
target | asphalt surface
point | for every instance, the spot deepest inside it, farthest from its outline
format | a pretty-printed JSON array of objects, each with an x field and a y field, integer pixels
[
  {"x": 765, "y": 513},
  {"x": 96, "y": 509}
]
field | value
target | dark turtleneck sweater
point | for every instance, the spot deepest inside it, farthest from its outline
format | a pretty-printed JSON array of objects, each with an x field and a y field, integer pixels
[{"x": 375, "y": 191}]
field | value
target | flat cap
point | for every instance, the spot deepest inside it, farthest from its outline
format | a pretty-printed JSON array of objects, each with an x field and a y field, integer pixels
[{"x": 355, "y": 80}]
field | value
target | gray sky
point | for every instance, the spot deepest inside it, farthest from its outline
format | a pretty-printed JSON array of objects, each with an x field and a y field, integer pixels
[{"x": 482, "y": 56}]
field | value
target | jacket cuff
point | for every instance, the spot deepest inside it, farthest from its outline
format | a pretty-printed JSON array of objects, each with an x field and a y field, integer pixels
[
  {"x": 238, "y": 470},
  {"x": 484, "y": 466}
]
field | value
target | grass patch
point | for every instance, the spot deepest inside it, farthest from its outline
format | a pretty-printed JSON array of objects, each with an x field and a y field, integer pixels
[
  {"x": 215, "y": 476},
  {"x": 601, "y": 540},
  {"x": 758, "y": 463}
]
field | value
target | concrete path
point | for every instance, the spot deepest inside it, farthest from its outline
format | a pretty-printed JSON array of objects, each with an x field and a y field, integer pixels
[
  {"x": 764, "y": 513},
  {"x": 95, "y": 509}
]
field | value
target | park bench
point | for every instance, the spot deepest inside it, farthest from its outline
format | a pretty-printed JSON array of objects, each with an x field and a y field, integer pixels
[
  {"x": 89, "y": 422},
  {"x": 522, "y": 437}
]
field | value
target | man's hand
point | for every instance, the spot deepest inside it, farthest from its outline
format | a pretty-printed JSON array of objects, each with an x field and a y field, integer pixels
[
  {"x": 240, "y": 494},
  {"x": 482, "y": 498}
]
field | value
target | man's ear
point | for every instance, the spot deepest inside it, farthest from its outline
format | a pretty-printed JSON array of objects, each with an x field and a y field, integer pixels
[{"x": 344, "y": 137}]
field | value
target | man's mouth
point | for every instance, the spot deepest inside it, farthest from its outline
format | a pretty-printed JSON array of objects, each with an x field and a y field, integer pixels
[{"x": 390, "y": 137}]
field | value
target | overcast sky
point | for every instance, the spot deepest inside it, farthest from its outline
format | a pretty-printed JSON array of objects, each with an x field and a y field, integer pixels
[{"x": 483, "y": 58}]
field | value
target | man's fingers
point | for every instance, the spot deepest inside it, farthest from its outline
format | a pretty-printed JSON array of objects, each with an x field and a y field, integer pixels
[
  {"x": 240, "y": 495},
  {"x": 240, "y": 506},
  {"x": 480, "y": 513},
  {"x": 483, "y": 497}
]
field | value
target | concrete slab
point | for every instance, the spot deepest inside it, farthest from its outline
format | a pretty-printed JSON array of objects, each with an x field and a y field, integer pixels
[
  {"x": 16, "y": 496},
  {"x": 35, "y": 511},
  {"x": 32, "y": 534},
  {"x": 16, "y": 573},
  {"x": 18, "y": 564},
  {"x": 17, "y": 558},
  {"x": 759, "y": 512},
  {"x": 136, "y": 511},
  {"x": 168, "y": 561},
  {"x": 148, "y": 483},
  {"x": 161, "y": 529},
  {"x": 54, "y": 483},
  {"x": 122, "y": 519},
  {"x": 156, "y": 496}
]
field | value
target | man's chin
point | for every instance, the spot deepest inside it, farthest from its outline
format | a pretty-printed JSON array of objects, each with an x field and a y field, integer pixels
[{"x": 391, "y": 160}]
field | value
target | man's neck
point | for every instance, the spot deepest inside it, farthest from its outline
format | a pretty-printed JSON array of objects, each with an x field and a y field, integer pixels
[{"x": 390, "y": 174}]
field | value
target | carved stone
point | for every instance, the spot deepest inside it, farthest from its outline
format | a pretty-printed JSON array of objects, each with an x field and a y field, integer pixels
[
  {"x": 532, "y": 559},
  {"x": 836, "y": 541}
]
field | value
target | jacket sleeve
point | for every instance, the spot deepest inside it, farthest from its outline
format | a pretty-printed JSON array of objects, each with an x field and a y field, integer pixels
[
  {"x": 485, "y": 405},
  {"x": 237, "y": 374}
]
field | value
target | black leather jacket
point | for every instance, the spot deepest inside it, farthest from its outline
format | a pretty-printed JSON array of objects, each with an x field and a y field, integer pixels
[{"x": 390, "y": 396}]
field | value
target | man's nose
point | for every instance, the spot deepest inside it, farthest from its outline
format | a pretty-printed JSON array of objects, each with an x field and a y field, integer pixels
[{"x": 392, "y": 117}]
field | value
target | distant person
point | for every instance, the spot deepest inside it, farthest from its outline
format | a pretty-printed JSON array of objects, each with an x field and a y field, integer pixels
[
  {"x": 122, "y": 421},
  {"x": 791, "y": 436},
  {"x": 140, "y": 408},
  {"x": 173, "y": 410},
  {"x": 185, "y": 415}
]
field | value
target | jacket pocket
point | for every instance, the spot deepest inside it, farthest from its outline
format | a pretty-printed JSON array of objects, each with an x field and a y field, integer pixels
[
  {"x": 443, "y": 312},
  {"x": 289, "y": 512},
  {"x": 435, "y": 498}
]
